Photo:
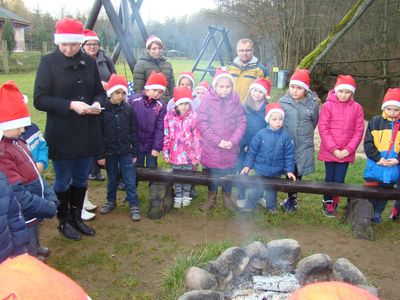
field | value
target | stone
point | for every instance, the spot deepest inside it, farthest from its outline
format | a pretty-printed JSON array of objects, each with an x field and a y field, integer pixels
[
  {"x": 229, "y": 264},
  {"x": 202, "y": 295},
  {"x": 258, "y": 256},
  {"x": 282, "y": 255},
  {"x": 344, "y": 270},
  {"x": 316, "y": 267},
  {"x": 199, "y": 279}
]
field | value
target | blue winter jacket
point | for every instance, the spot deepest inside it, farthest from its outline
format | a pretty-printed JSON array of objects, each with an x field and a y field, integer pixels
[
  {"x": 255, "y": 122},
  {"x": 13, "y": 233},
  {"x": 37, "y": 145},
  {"x": 271, "y": 153}
]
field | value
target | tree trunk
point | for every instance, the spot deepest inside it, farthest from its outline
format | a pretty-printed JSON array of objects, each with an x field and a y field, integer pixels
[{"x": 312, "y": 59}]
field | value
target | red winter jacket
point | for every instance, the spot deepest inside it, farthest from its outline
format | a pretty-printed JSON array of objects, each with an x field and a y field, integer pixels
[
  {"x": 36, "y": 197},
  {"x": 340, "y": 126}
]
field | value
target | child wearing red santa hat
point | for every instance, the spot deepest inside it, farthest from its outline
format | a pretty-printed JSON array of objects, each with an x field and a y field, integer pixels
[
  {"x": 200, "y": 90},
  {"x": 182, "y": 141},
  {"x": 35, "y": 196},
  {"x": 382, "y": 147},
  {"x": 120, "y": 132},
  {"x": 185, "y": 79},
  {"x": 279, "y": 152},
  {"x": 341, "y": 128},
  {"x": 301, "y": 118},
  {"x": 254, "y": 106},
  {"x": 222, "y": 123}
]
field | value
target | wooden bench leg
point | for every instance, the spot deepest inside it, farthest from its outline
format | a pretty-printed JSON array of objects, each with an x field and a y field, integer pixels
[{"x": 359, "y": 213}]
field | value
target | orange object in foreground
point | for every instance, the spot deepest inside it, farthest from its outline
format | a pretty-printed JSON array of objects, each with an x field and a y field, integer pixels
[
  {"x": 25, "y": 277},
  {"x": 332, "y": 290}
]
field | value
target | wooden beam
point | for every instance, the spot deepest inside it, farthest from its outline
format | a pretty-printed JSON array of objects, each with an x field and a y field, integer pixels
[
  {"x": 282, "y": 185},
  {"x": 121, "y": 35}
]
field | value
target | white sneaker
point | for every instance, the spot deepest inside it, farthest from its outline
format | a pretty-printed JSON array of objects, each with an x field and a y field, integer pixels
[
  {"x": 186, "y": 201},
  {"x": 241, "y": 203},
  {"x": 87, "y": 215},
  {"x": 262, "y": 202},
  {"x": 178, "y": 202},
  {"x": 89, "y": 206}
]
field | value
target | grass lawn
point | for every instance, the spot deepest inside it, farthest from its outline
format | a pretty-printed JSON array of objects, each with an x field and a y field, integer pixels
[{"x": 110, "y": 253}]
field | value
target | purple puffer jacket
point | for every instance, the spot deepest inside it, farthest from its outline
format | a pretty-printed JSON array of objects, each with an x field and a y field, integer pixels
[
  {"x": 220, "y": 119},
  {"x": 150, "y": 120},
  {"x": 340, "y": 126}
]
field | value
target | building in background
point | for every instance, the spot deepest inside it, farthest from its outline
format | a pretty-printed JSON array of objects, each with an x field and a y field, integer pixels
[{"x": 19, "y": 25}]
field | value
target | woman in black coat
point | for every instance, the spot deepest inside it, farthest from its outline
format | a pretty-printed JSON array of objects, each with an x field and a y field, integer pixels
[{"x": 69, "y": 90}]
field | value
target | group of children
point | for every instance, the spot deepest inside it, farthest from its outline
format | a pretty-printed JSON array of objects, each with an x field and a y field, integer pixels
[
  {"x": 210, "y": 127},
  {"x": 274, "y": 139}
]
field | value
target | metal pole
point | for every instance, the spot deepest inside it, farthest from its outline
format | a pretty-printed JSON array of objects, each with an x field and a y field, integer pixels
[{"x": 93, "y": 14}]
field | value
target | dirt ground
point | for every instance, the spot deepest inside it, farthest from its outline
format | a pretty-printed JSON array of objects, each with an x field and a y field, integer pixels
[{"x": 126, "y": 255}]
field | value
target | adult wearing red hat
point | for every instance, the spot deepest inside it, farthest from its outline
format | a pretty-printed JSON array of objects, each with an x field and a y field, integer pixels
[
  {"x": 153, "y": 61},
  {"x": 69, "y": 90}
]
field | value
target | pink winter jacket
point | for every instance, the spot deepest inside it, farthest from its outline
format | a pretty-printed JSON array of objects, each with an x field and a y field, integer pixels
[
  {"x": 220, "y": 119},
  {"x": 340, "y": 126},
  {"x": 181, "y": 139}
]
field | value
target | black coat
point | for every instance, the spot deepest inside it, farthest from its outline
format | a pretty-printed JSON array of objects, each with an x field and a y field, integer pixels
[
  {"x": 119, "y": 127},
  {"x": 60, "y": 80}
]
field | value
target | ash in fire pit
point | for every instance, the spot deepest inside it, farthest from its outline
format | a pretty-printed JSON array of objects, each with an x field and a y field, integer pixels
[{"x": 271, "y": 271}]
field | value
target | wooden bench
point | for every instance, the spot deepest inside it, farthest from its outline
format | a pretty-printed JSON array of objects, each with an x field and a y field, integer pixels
[
  {"x": 359, "y": 211},
  {"x": 282, "y": 185}
]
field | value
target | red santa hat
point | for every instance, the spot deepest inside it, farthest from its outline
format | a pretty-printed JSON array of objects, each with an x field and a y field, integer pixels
[
  {"x": 345, "y": 82},
  {"x": 182, "y": 95},
  {"x": 264, "y": 85},
  {"x": 392, "y": 97},
  {"x": 116, "y": 82},
  {"x": 301, "y": 78},
  {"x": 221, "y": 73},
  {"x": 90, "y": 36},
  {"x": 156, "y": 81},
  {"x": 203, "y": 85},
  {"x": 13, "y": 110},
  {"x": 153, "y": 39},
  {"x": 273, "y": 108},
  {"x": 188, "y": 75},
  {"x": 68, "y": 31}
]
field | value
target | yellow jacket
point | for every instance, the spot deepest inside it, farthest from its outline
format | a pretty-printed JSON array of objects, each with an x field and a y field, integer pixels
[{"x": 244, "y": 75}]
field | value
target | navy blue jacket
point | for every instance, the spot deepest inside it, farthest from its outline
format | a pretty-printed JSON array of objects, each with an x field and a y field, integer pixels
[
  {"x": 119, "y": 128},
  {"x": 255, "y": 122},
  {"x": 271, "y": 153},
  {"x": 13, "y": 233}
]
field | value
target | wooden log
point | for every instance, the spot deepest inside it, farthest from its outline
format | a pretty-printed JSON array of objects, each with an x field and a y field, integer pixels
[{"x": 283, "y": 185}]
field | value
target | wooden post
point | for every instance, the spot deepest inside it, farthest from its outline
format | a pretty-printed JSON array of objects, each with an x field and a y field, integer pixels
[{"x": 5, "y": 56}]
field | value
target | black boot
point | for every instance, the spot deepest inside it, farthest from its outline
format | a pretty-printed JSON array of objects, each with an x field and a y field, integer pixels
[
  {"x": 63, "y": 216},
  {"x": 78, "y": 195}
]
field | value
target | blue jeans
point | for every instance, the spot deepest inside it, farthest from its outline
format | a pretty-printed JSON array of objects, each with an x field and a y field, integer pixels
[
  {"x": 258, "y": 191},
  {"x": 71, "y": 172},
  {"x": 145, "y": 159},
  {"x": 379, "y": 205},
  {"x": 124, "y": 162},
  {"x": 335, "y": 172},
  {"x": 226, "y": 186}
]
